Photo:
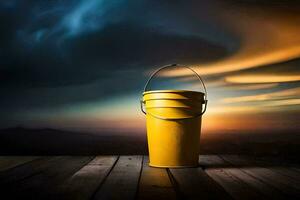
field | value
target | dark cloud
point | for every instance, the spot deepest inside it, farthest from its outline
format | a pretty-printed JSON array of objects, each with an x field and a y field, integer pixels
[
  {"x": 90, "y": 57},
  {"x": 287, "y": 3},
  {"x": 57, "y": 53}
]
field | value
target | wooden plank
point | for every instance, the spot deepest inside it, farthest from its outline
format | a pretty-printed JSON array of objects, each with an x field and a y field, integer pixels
[
  {"x": 296, "y": 169},
  {"x": 210, "y": 161},
  {"x": 267, "y": 176},
  {"x": 84, "y": 183},
  {"x": 155, "y": 183},
  {"x": 8, "y": 162},
  {"x": 124, "y": 177},
  {"x": 288, "y": 172},
  {"x": 194, "y": 183},
  {"x": 41, "y": 185},
  {"x": 234, "y": 186},
  {"x": 267, "y": 191},
  {"x": 277, "y": 167},
  {"x": 275, "y": 161},
  {"x": 20, "y": 172}
]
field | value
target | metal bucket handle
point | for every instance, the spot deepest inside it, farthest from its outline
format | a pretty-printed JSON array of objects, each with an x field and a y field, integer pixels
[{"x": 175, "y": 65}]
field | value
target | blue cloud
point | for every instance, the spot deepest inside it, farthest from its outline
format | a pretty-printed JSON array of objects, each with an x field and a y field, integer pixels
[{"x": 87, "y": 16}]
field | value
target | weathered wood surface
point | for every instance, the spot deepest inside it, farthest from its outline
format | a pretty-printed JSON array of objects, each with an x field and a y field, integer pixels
[
  {"x": 193, "y": 183},
  {"x": 130, "y": 177},
  {"x": 44, "y": 177},
  {"x": 7, "y": 162},
  {"x": 237, "y": 188},
  {"x": 155, "y": 183},
  {"x": 265, "y": 174},
  {"x": 84, "y": 183},
  {"x": 124, "y": 177},
  {"x": 239, "y": 184}
]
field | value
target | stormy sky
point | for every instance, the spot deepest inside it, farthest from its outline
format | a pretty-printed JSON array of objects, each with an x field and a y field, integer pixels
[{"x": 82, "y": 64}]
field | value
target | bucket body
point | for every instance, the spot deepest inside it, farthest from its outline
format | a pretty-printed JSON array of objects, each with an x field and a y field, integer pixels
[{"x": 173, "y": 127}]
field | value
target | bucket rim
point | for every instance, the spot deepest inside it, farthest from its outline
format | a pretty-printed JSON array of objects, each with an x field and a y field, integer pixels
[{"x": 172, "y": 91}]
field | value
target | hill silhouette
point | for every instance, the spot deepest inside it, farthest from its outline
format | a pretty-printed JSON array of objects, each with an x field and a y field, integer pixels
[{"x": 24, "y": 141}]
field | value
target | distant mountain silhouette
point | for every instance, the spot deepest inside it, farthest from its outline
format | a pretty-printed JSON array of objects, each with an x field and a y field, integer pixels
[{"x": 47, "y": 141}]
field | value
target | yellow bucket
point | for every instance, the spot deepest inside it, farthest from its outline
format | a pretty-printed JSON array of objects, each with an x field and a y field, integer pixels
[{"x": 173, "y": 124}]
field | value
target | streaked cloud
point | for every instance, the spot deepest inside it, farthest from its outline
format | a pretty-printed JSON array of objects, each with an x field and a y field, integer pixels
[
  {"x": 267, "y": 36},
  {"x": 220, "y": 109},
  {"x": 285, "y": 102},
  {"x": 284, "y": 94},
  {"x": 262, "y": 78},
  {"x": 251, "y": 86}
]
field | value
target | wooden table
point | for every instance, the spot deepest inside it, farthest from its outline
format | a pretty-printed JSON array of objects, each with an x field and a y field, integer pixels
[{"x": 129, "y": 177}]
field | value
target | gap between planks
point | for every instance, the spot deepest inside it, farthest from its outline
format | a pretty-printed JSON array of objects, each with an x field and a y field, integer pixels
[
  {"x": 85, "y": 182},
  {"x": 238, "y": 183},
  {"x": 124, "y": 176},
  {"x": 8, "y": 162},
  {"x": 99, "y": 178},
  {"x": 282, "y": 184},
  {"x": 194, "y": 183},
  {"x": 40, "y": 178}
]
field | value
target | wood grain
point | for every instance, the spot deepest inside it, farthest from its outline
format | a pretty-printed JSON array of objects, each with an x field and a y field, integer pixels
[
  {"x": 84, "y": 183},
  {"x": 43, "y": 183},
  {"x": 8, "y": 162},
  {"x": 15, "y": 174},
  {"x": 130, "y": 177},
  {"x": 267, "y": 176},
  {"x": 194, "y": 183},
  {"x": 124, "y": 177},
  {"x": 237, "y": 188},
  {"x": 155, "y": 183}
]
